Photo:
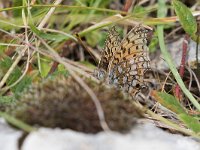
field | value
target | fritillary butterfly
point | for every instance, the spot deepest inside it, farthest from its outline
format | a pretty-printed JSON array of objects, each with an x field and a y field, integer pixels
[{"x": 124, "y": 62}]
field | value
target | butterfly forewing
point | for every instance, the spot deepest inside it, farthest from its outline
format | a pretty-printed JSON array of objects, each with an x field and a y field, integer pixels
[
  {"x": 112, "y": 45},
  {"x": 134, "y": 42}
]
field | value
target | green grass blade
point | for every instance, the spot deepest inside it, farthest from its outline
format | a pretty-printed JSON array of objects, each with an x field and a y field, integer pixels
[
  {"x": 169, "y": 102},
  {"x": 186, "y": 18},
  {"x": 190, "y": 121},
  {"x": 173, "y": 104},
  {"x": 17, "y": 123}
]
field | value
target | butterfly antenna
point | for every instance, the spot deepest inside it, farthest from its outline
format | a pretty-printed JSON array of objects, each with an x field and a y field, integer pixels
[{"x": 91, "y": 52}]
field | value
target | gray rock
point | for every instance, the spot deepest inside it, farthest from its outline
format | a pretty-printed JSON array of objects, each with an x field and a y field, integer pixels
[
  {"x": 143, "y": 137},
  {"x": 8, "y": 136}
]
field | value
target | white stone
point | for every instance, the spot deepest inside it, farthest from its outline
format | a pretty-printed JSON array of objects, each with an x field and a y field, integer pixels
[
  {"x": 8, "y": 136},
  {"x": 143, "y": 137}
]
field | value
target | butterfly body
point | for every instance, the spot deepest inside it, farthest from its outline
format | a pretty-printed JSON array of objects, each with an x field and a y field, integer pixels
[{"x": 124, "y": 63}]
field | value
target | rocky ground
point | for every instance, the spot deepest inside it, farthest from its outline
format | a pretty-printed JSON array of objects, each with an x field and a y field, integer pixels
[{"x": 142, "y": 137}]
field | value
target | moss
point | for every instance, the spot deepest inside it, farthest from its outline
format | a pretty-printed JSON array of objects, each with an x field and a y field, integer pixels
[{"x": 63, "y": 103}]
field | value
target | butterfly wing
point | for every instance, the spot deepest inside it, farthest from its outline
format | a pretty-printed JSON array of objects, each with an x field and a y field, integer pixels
[
  {"x": 129, "y": 64},
  {"x": 112, "y": 45}
]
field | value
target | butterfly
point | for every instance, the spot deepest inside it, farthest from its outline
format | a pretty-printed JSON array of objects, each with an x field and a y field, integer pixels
[{"x": 124, "y": 62}]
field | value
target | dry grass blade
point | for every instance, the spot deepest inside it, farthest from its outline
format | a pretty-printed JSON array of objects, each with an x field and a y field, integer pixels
[
  {"x": 48, "y": 15},
  {"x": 13, "y": 66}
]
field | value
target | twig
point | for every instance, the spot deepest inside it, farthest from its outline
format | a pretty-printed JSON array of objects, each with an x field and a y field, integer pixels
[
  {"x": 64, "y": 53},
  {"x": 91, "y": 52},
  {"x": 197, "y": 46},
  {"x": 173, "y": 32},
  {"x": 14, "y": 45},
  {"x": 127, "y": 5},
  {"x": 163, "y": 87},
  {"x": 191, "y": 78},
  {"x": 195, "y": 77},
  {"x": 79, "y": 65},
  {"x": 142, "y": 2},
  {"x": 182, "y": 66}
]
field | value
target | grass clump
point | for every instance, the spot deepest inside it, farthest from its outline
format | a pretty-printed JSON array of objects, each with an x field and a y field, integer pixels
[{"x": 61, "y": 102}]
